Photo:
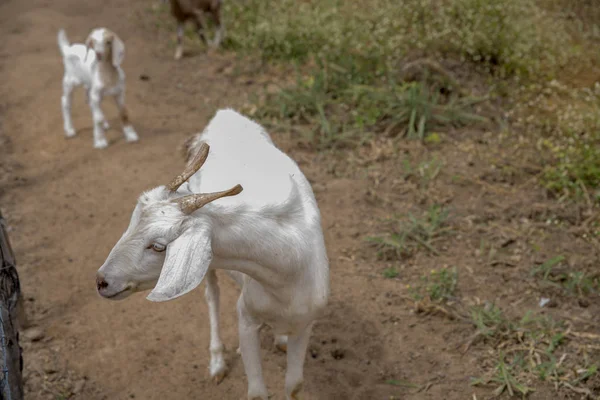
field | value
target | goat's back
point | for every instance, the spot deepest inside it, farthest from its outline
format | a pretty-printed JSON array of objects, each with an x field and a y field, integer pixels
[
  {"x": 241, "y": 152},
  {"x": 78, "y": 60},
  {"x": 184, "y": 9}
]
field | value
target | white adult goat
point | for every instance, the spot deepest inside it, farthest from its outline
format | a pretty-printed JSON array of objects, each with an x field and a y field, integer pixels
[
  {"x": 268, "y": 237},
  {"x": 96, "y": 66}
]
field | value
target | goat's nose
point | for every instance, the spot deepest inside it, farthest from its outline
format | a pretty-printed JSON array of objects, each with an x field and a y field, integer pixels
[{"x": 100, "y": 282}]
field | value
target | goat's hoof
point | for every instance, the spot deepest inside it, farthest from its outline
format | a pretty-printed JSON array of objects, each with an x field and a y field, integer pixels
[
  {"x": 101, "y": 144},
  {"x": 281, "y": 343},
  {"x": 218, "y": 369},
  {"x": 132, "y": 138},
  {"x": 295, "y": 395},
  {"x": 70, "y": 133},
  {"x": 130, "y": 134},
  {"x": 281, "y": 347},
  {"x": 178, "y": 53},
  {"x": 218, "y": 378}
]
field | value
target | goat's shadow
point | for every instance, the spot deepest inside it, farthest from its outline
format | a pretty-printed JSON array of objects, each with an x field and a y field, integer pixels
[{"x": 344, "y": 358}]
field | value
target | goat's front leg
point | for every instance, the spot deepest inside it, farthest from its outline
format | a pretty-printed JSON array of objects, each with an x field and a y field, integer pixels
[
  {"x": 66, "y": 99},
  {"x": 128, "y": 131},
  {"x": 179, "y": 49},
  {"x": 250, "y": 349},
  {"x": 105, "y": 124},
  {"x": 296, "y": 353},
  {"x": 100, "y": 141},
  {"x": 218, "y": 367}
]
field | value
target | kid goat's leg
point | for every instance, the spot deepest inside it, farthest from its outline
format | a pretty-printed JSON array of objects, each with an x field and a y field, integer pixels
[
  {"x": 296, "y": 353},
  {"x": 218, "y": 368},
  {"x": 66, "y": 98},
  {"x": 179, "y": 49},
  {"x": 128, "y": 131},
  {"x": 105, "y": 124},
  {"x": 250, "y": 349},
  {"x": 98, "y": 117}
]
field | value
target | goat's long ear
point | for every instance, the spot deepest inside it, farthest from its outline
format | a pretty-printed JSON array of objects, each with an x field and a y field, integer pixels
[
  {"x": 89, "y": 45},
  {"x": 118, "y": 51},
  {"x": 186, "y": 263}
]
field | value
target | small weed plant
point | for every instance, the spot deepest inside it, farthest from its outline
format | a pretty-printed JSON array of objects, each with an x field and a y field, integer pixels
[
  {"x": 414, "y": 233},
  {"x": 554, "y": 273},
  {"x": 438, "y": 286},
  {"x": 530, "y": 347}
]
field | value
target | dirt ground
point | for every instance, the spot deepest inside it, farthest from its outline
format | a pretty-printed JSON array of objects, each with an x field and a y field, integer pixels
[{"x": 67, "y": 204}]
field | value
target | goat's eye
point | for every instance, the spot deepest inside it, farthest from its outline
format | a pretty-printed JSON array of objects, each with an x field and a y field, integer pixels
[{"x": 157, "y": 247}]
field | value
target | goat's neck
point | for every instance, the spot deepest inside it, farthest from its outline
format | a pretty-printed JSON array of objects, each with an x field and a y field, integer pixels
[
  {"x": 264, "y": 247},
  {"x": 109, "y": 74}
]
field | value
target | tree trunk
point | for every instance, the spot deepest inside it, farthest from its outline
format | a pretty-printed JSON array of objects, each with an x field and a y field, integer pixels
[{"x": 12, "y": 313}]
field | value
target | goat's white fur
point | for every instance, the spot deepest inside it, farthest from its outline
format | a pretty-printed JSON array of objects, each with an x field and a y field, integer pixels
[
  {"x": 268, "y": 238},
  {"x": 83, "y": 68}
]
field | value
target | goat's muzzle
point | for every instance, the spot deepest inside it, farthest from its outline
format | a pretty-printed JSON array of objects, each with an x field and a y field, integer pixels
[{"x": 101, "y": 283}]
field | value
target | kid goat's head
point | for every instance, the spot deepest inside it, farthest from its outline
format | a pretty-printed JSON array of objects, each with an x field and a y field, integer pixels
[
  {"x": 107, "y": 45},
  {"x": 164, "y": 247}
]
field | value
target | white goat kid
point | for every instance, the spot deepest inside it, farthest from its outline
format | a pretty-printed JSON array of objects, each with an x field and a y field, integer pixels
[
  {"x": 96, "y": 66},
  {"x": 268, "y": 237}
]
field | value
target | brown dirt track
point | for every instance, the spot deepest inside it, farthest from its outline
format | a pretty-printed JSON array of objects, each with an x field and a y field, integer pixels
[{"x": 67, "y": 204}]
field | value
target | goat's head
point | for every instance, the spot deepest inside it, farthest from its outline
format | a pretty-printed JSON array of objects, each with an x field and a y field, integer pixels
[
  {"x": 164, "y": 247},
  {"x": 107, "y": 45}
]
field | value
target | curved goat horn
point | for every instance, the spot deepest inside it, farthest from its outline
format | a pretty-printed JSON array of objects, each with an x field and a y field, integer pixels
[
  {"x": 192, "y": 202},
  {"x": 191, "y": 168}
]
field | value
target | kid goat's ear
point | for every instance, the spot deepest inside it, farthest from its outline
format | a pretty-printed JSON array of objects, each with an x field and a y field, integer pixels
[
  {"x": 118, "y": 51},
  {"x": 89, "y": 44}
]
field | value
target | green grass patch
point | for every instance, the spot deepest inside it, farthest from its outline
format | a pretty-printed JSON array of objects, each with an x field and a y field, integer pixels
[
  {"x": 554, "y": 273},
  {"x": 413, "y": 233},
  {"x": 350, "y": 55},
  {"x": 391, "y": 273},
  {"x": 438, "y": 286},
  {"x": 512, "y": 36},
  {"x": 423, "y": 173},
  {"x": 532, "y": 347}
]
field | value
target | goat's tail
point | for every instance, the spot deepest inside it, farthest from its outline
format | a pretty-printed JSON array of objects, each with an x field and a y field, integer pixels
[{"x": 63, "y": 42}]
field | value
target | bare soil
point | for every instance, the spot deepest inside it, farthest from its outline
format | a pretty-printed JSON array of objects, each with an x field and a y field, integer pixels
[{"x": 67, "y": 204}]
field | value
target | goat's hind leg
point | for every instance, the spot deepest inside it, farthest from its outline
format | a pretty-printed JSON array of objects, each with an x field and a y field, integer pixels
[
  {"x": 281, "y": 342},
  {"x": 217, "y": 367},
  {"x": 66, "y": 99},
  {"x": 179, "y": 49},
  {"x": 128, "y": 131}
]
